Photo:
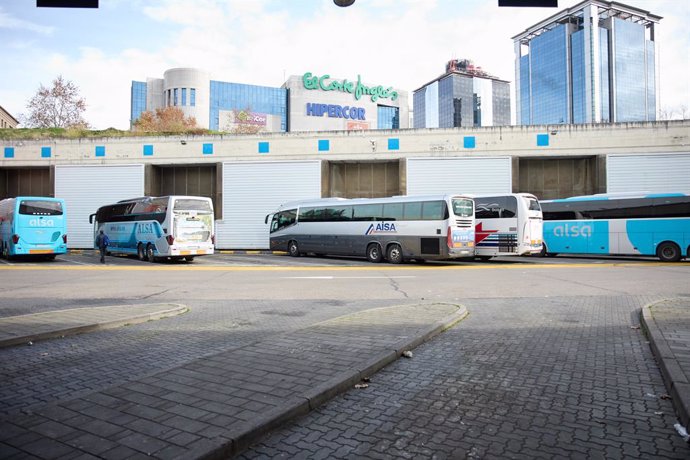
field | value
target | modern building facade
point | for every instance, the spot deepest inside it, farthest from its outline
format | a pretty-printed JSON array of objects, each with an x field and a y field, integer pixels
[
  {"x": 465, "y": 96},
  {"x": 7, "y": 120},
  {"x": 304, "y": 103},
  {"x": 592, "y": 63}
]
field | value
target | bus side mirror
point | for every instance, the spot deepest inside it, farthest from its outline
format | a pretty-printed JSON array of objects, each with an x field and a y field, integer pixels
[
  {"x": 91, "y": 218},
  {"x": 266, "y": 219}
]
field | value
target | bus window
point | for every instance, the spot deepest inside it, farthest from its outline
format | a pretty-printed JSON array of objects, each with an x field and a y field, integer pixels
[
  {"x": 367, "y": 212},
  {"x": 40, "y": 208},
  {"x": 392, "y": 211}
]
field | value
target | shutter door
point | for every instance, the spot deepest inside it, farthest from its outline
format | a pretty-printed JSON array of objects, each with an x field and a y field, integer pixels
[
  {"x": 458, "y": 175},
  {"x": 251, "y": 190},
  {"x": 86, "y": 188},
  {"x": 648, "y": 173}
]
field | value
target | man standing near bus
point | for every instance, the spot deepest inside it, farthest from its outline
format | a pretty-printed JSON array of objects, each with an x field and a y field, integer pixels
[{"x": 102, "y": 241}]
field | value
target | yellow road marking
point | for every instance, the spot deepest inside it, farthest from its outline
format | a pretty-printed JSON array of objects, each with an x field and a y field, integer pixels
[{"x": 349, "y": 268}]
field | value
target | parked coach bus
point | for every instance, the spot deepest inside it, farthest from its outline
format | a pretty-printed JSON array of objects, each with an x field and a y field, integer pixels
[
  {"x": 153, "y": 228},
  {"x": 623, "y": 224},
  {"x": 33, "y": 226},
  {"x": 395, "y": 229},
  {"x": 507, "y": 225}
]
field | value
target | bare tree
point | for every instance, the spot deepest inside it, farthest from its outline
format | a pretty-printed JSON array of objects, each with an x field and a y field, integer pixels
[{"x": 58, "y": 107}]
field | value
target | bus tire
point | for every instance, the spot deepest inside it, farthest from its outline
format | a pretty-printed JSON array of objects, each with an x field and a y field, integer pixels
[
  {"x": 394, "y": 254},
  {"x": 293, "y": 249},
  {"x": 484, "y": 258},
  {"x": 374, "y": 254},
  {"x": 668, "y": 252},
  {"x": 141, "y": 254},
  {"x": 150, "y": 253},
  {"x": 189, "y": 258},
  {"x": 543, "y": 252}
]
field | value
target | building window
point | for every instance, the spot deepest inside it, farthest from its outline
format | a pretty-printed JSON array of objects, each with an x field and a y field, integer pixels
[
  {"x": 192, "y": 97},
  {"x": 184, "y": 96},
  {"x": 175, "y": 97}
]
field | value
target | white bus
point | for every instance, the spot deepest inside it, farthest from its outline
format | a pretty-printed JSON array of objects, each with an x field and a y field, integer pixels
[
  {"x": 174, "y": 227},
  {"x": 400, "y": 228},
  {"x": 507, "y": 225}
]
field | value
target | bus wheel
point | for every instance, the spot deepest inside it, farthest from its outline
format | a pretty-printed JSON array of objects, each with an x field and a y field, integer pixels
[
  {"x": 150, "y": 253},
  {"x": 542, "y": 253},
  {"x": 293, "y": 249},
  {"x": 668, "y": 252},
  {"x": 394, "y": 254},
  {"x": 374, "y": 253},
  {"x": 141, "y": 255},
  {"x": 189, "y": 258}
]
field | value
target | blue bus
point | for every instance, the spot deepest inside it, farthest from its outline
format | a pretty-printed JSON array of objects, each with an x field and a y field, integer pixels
[
  {"x": 157, "y": 228},
  {"x": 33, "y": 226},
  {"x": 619, "y": 224}
]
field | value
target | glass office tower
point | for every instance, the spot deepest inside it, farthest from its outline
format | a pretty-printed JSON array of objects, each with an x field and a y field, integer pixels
[
  {"x": 592, "y": 63},
  {"x": 465, "y": 96}
]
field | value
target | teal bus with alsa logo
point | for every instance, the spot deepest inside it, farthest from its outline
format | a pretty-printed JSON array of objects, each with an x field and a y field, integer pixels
[
  {"x": 33, "y": 226},
  {"x": 640, "y": 224}
]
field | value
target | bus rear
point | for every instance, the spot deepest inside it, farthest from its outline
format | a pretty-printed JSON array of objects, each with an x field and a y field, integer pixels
[
  {"x": 191, "y": 227},
  {"x": 37, "y": 227},
  {"x": 508, "y": 225}
]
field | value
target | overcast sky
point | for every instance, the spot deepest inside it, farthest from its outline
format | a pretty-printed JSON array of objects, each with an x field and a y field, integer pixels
[{"x": 399, "y": 43}]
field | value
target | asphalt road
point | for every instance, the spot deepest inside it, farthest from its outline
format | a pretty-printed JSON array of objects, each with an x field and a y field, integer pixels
[{"x": 549, "y": 363}]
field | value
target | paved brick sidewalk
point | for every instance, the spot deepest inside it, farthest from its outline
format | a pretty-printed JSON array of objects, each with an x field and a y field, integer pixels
[
  {"x": 15, "y": 330},
  {"x": 216, "y": 406},
  {"x": 668, "y": 326}
]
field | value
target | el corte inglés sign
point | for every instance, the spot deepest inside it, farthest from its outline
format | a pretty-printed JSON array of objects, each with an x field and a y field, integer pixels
[{"x": 324, "y": 83}]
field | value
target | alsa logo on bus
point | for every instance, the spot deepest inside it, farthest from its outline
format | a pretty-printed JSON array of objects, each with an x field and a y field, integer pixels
[
  {"x": 146, "y": 228},
  {"x": 41, "y": 223},
  {"x": 381, "y": 227},
  {"x": 572, "y": 230}
]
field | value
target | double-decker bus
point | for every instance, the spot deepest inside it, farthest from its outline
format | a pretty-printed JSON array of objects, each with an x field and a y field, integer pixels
[
  {"x": 396, "y": 229},
  {"x": 507, "y": 225},
  {"x": 152, "y": 228},
  {"x": 619, "y": 224},
  {"x": 33, "y": 226}
]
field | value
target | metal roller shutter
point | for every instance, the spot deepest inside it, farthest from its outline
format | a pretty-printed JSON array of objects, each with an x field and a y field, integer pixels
[
  {"x": 86, "y": 188},
  {"x": 459, "y": 175},
  {"x": 251, "y": 190},
  {"x": 648, "y": 173}
]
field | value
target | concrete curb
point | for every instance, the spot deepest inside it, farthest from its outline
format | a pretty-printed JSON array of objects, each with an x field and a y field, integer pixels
[
  {"x": 177, "y": 309},
  {"x": 676, "y": 383},
  {"x": 328, "y": 390}
]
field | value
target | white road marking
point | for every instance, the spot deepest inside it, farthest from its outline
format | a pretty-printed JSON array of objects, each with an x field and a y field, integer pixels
[{"x": 341, "y": 277}]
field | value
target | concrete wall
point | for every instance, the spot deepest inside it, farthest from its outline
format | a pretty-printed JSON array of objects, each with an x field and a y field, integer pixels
[{"x": 550, "y": 161}]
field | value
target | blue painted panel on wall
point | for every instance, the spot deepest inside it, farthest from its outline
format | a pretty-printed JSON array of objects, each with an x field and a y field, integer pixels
[
  {"x": 324, "y": 145},
  {"x": 263, "y": 147},
  {"x": 9, "y": 152},
  {"x": 45, "y": 152},
  {"x": 207, "y": 149},
  {"x": 393, "y": 144},
  {"x": 148, "y": 149},
  {"x": 468, "y": 142},
  {"x": 100, "y": 150},
  {"x": 542, "y": 140}
]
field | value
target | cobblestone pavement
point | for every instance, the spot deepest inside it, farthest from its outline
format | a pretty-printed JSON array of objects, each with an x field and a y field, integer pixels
[
  {"x": 559, "y": 377},
  {"x": 49, "y": 371}
]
